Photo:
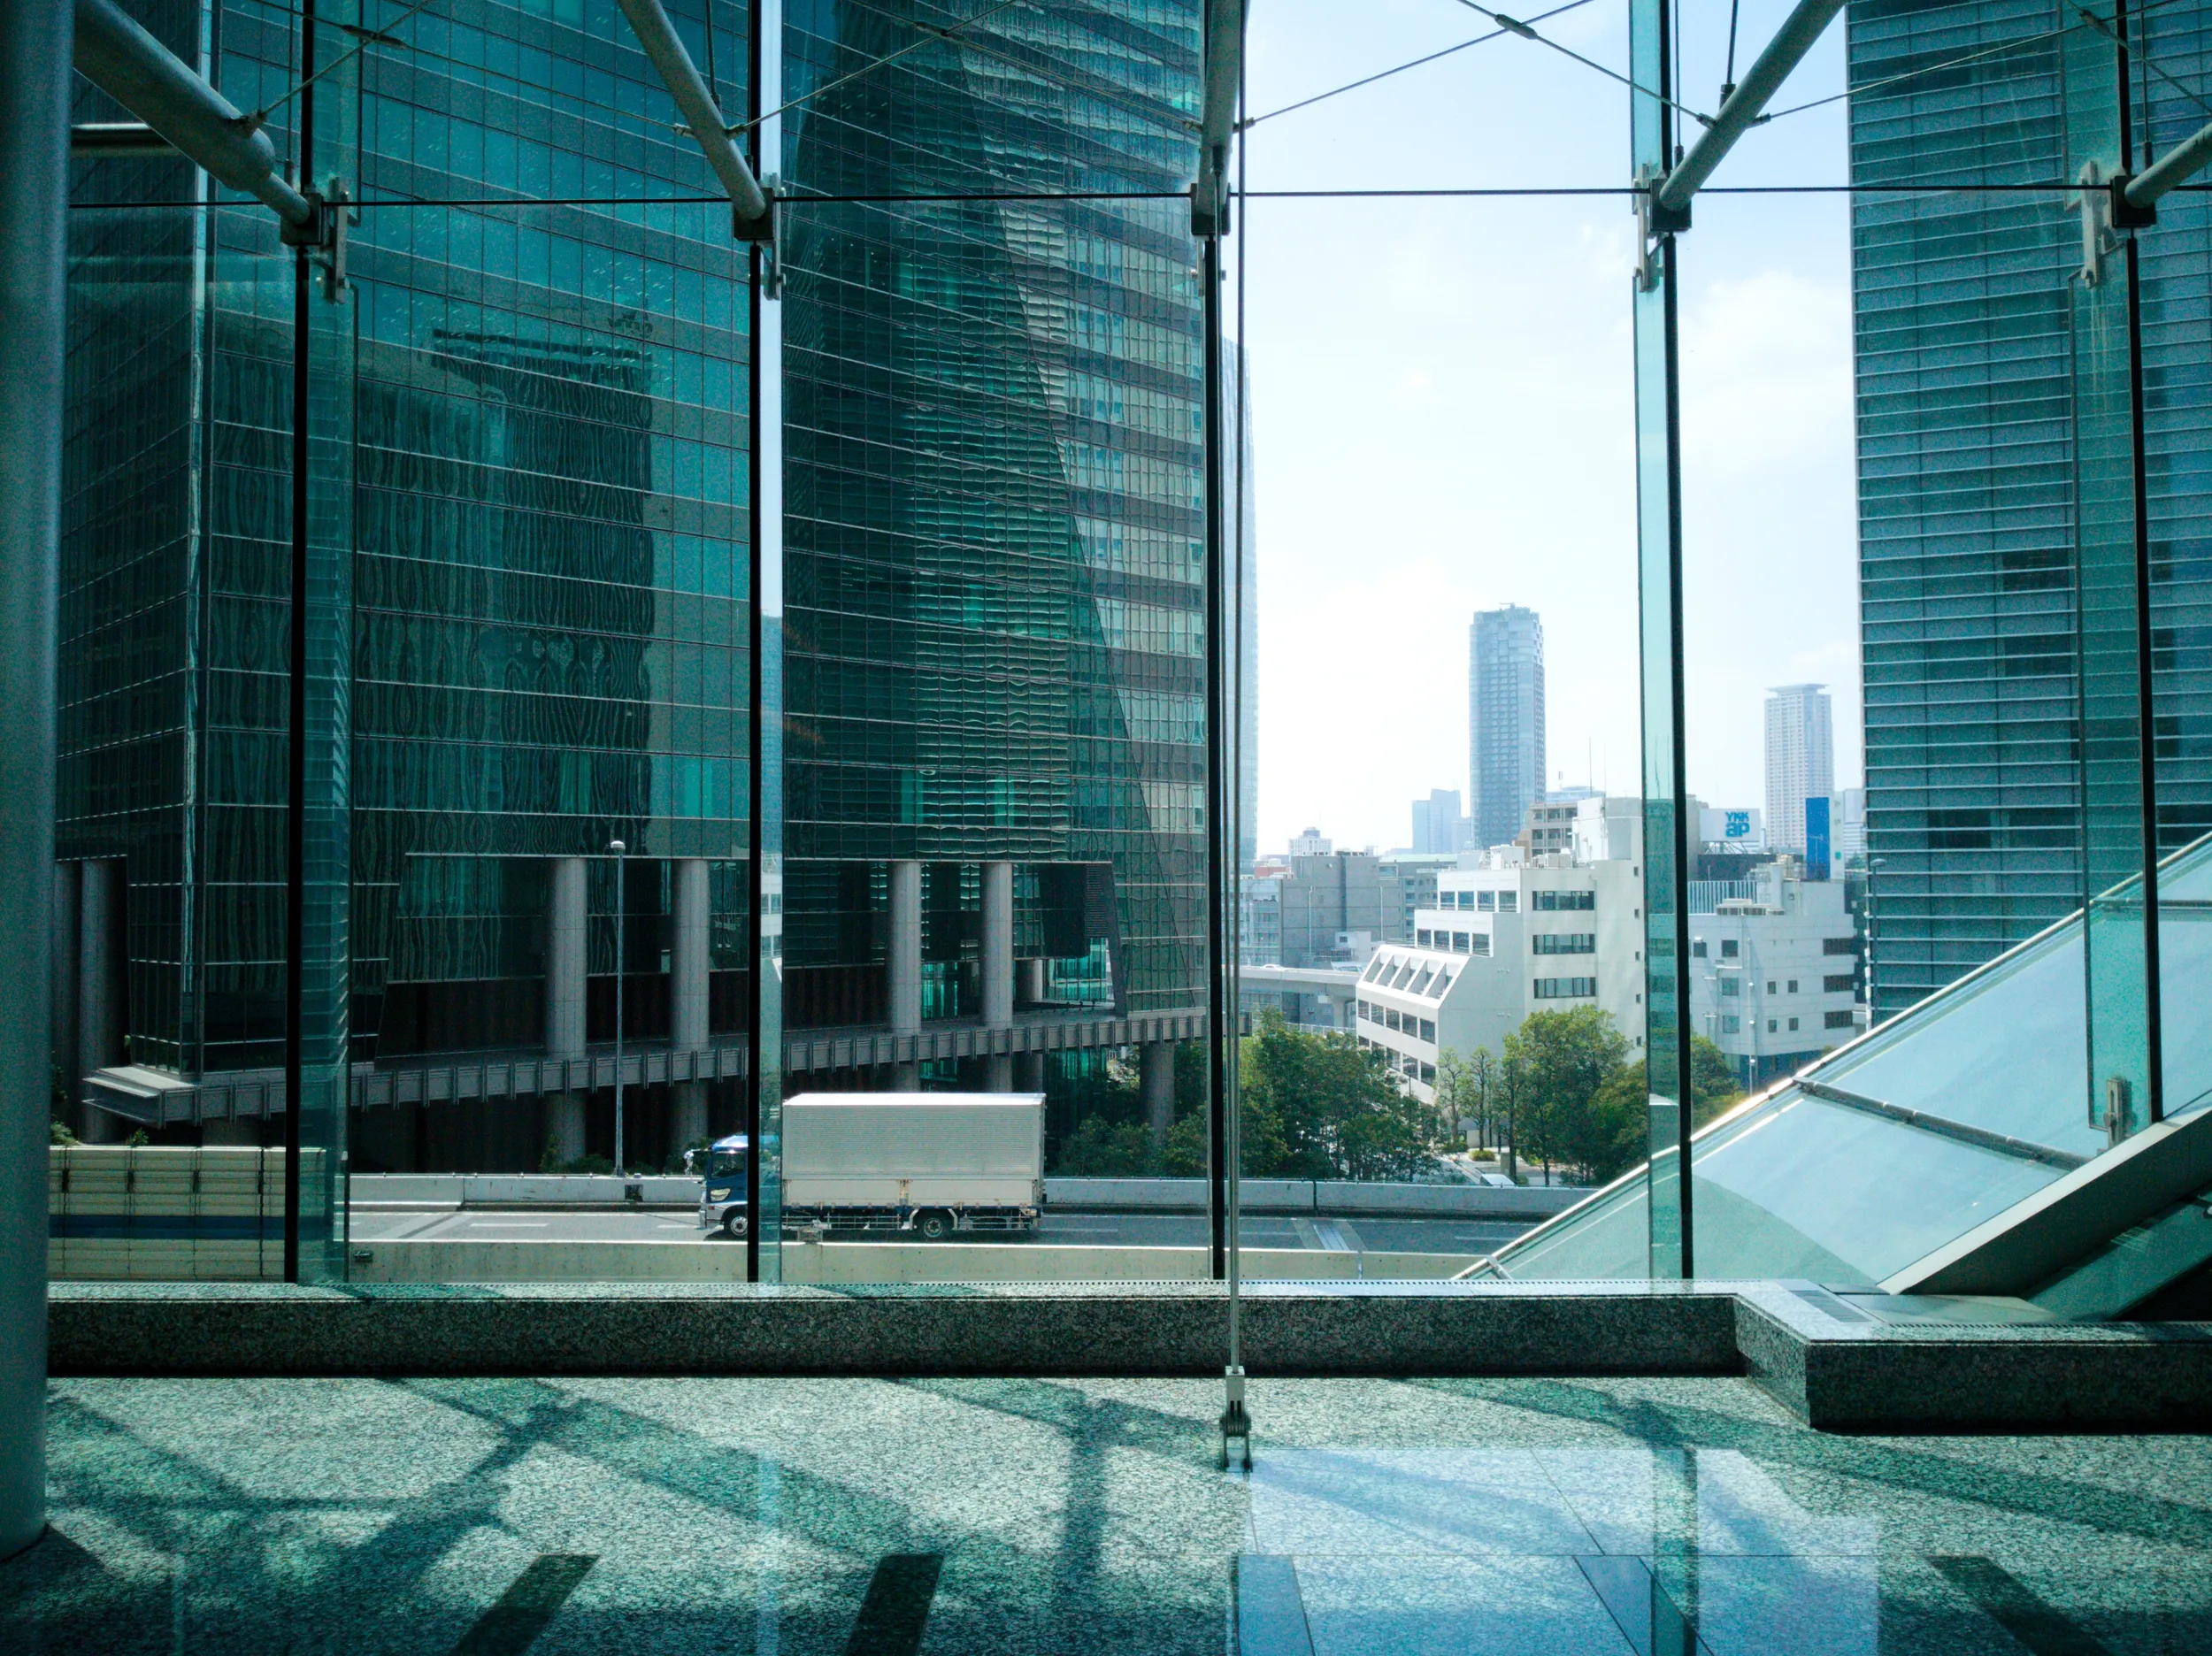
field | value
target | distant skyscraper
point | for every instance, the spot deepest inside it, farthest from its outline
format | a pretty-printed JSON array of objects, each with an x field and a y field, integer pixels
[
  {"x": 1801, "y": 760},
  {"x": 1505, "y": 720},
  {"x": 1436, "y": 820}
]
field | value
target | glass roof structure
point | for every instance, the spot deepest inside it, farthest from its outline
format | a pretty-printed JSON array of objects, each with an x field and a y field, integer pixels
[{"x": 1933, "y": 1124}]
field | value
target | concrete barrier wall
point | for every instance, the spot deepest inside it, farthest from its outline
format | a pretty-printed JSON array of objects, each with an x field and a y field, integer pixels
[
  {"x": 830, "y": 1263},
  {"x": 1160, "y": 1195}
]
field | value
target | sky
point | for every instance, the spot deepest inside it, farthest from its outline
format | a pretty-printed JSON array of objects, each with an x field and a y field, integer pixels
[{"x": 1441, "y": 406}]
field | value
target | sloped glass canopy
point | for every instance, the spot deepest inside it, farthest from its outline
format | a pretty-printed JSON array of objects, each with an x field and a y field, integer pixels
[{"x": 1906, "y": 1140}]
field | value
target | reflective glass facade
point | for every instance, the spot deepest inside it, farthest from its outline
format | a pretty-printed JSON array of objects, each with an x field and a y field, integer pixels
[{"x": 1967, "y": 380}]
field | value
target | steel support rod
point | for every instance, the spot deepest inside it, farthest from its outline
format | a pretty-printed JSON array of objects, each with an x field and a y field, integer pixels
[
  {"x": 665, "y": 50},
  {"x": 1225, "y": 71},
  {"x": 1744, "y": 105},
  {"x": 2174, "y": 167},
  {"x": 34, "y": 185},
  {"x": 141, "y": 74}
]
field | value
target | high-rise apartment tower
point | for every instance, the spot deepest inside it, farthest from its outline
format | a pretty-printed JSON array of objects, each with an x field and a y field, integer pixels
[
  {"x": 1505, "y": 720},
  {"x": 1801, "y": 760}
]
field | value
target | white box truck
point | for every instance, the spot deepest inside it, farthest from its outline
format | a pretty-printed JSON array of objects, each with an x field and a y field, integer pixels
[{"x": 927, "y": 1163}]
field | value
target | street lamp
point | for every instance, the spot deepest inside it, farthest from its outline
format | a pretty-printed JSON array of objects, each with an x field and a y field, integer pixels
[{"x": 621, "y": 854}]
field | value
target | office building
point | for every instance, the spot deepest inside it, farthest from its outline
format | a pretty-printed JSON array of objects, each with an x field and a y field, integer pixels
[
  {"x": 1801, "y": 760},
  {"x": 1497, "y": 944},
  {"x": 1332, "y": 906},
  {"x": 992, "y": 650},
  {"x": 1436, "y": 821},
  {"x": 1774, "y": 969},
  {"x": 1505, "y": 721},
  {"x": 1966, "y": 498}
]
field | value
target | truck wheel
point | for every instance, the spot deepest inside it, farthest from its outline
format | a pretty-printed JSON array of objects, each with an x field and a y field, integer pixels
[
  {"x": 935, "y": 1227},
  {"x": 734, "y": 1223}
]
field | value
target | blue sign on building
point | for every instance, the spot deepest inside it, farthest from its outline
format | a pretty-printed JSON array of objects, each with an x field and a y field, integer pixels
[
  {"x": 1739, "y": 825},
  {"x": 1816, "y": 839}
]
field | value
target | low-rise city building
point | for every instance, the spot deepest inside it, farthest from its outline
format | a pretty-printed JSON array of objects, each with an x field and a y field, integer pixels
[{"x": 1774, "y": 977}]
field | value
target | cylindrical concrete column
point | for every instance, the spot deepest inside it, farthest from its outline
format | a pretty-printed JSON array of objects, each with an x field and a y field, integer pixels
[
  {"x": 1156, "y": 1078},
  {"x": 998, "y": 1073},
  {"x": 565, "y": 957},
  {"x": 905, "y": 961},
  {"x": 35, "y": 88},
  {"x": 566, "y": 961},
  {"x": 68, "y": 902},
  {"x": 998, "y": 946},
  {"x": 1032, "y": 980},
  {"x": 688, "y": 961},
  {"x": 99, "y": 989},
  {"x": 906, "y": 1078}
]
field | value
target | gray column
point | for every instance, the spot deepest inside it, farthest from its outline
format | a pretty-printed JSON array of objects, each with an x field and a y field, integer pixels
[
  {"x": 1032, "y": 980},
  {"x": 68, "y": 898},
  {"x": 1156, "y": 1073},
  {"x": 688, "y": 962},
  {"x": 34, "y": 53},
  {"x": 565, "y": 962},
  {"x": 998, "y": 1073},
  {"x": 905, "y": 963},
  {"x": 998, "y": 946},
  {"x": 99, "y": 985},
  {"x": 565, "y": 957}
]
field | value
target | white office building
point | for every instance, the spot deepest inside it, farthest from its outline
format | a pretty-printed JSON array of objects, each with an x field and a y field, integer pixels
[
  {"x": 1502, "y": 941},
  {"x": 1773, "y": 973}
]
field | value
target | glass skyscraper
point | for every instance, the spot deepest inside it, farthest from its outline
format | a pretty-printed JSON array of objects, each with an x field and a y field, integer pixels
[
  {"x": 1967, "y": 468},
  {"x": 1505, "y": 720},
  {"x": 538, "y": 459}
]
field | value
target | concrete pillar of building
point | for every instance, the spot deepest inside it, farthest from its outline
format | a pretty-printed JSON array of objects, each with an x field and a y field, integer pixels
[
  {"x": 1156, "y": 1078},
  {"x": 687, "y": 995},
  {"x": 563, "y": 1128},
  {"x": 35, "y": 94},
  {"x": 906, "y": 1078},
  {"x": 1029, "y": 1072},
  {"x": 566, "y": 961},
  {"x": 1032, "y": 977},
  {"x": 68, "y": 904},
  {"x": 998, "y": 946},
  {"x": 565, "y": 958},
  {"x": 906, "y": 949},
  {"x": 998, "y": 1073},
  {"x": 99, "y": 990}
]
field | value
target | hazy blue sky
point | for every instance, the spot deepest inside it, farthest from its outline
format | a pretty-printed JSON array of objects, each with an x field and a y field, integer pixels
[{"x": 1441, "y": 407}]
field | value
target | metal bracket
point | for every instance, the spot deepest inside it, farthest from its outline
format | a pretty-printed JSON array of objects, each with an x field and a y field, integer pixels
[
  {"x": 324, "y": 234},
  {"x": 2100, "y": 235},
  {"x": 1236, "y": 1424},
  {"x": 2125, "y": 214},
  {"x": 1209, "y": 204},
  {"x": 766, "y": 233},
  {"x": 1652, "y": 221}
]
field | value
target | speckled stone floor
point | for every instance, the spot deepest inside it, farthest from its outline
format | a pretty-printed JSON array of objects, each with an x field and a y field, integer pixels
[{"x": 1548, "y": 1517}]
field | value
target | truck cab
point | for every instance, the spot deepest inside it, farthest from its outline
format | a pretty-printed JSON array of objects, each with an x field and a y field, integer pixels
[{"x": 722, "y": 1188}]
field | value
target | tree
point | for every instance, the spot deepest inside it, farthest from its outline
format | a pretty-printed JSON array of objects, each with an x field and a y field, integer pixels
[
  {"x": 1319, "y": 1106},
  {"x": 1626, "y": 1100},
  {"x": 1561, "y": 1059}
]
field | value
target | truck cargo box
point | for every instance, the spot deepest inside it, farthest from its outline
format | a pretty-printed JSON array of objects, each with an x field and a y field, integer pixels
[{"x": 949, "y": 1150}]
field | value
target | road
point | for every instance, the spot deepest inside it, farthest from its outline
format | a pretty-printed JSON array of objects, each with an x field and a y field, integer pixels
[{"x": 1365, "y": 1234}]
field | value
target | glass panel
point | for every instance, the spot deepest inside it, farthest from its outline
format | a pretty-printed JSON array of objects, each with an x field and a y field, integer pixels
[
  {"x": 2122, "y": 1087},
  {"x": 1659, "y": 600},
  {"x": 329, "y": 116}
]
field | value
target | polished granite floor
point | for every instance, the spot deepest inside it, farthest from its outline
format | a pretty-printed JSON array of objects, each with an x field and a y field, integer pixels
[{"x": 1552, "y": 1518}]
